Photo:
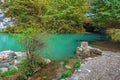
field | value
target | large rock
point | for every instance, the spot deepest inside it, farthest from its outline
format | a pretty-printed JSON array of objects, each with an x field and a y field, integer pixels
[
  {"x": 3, "y": 69},
  {"x": 84, "y": 50},
  {"x": 105, "y": 67}
]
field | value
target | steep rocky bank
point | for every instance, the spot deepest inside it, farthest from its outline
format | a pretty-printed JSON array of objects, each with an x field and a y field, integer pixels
[{"x": 105, "y": 67}]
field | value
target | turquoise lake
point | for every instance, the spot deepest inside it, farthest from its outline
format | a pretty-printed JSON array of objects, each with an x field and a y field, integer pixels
[{"x": 57, "y": 47}]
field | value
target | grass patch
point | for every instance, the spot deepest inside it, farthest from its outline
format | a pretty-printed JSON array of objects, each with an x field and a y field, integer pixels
[{"x": 8, "y": 73}]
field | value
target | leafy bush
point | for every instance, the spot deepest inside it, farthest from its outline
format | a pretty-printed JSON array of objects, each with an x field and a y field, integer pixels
[
  {"x": 10, "y": 72},
  {"x": 116, "y": 36},
  {"x": 65, "y": 15},
  {"x": 66, "y": 74},
  {"x": 107, "y": 13},
  {"x": 52, "y": 15},
  {"x": 77, "y": 65}
]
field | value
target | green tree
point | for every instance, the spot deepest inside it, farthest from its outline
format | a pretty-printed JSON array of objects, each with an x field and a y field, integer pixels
[
  {"x": 107, "y": 13},
  {"x": 26, "y": 12},
  {"x": 33, "y": 41},
  {"x": 62, "y": 16},
  {"x": 65, "y": 15}
]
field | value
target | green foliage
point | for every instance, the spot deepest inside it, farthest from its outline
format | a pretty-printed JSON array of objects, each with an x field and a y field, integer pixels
[
  {"x": 107, "y": 13},
  {"x": 116, "y": 36},
  {"x": 77, "y": 65},
  {"x": 33, "y": 42},
  {"x": 24, "y": 67},
  {"x": 65, "y": 15},
  {"x": 22, "y": 77},
  {"x": 50, "y": 15},
  {"x": 66, "y": 74},
  {"x": 8, "y": 73},
  {"x": 26, "y": 12},
  {"x": 27, "y": 69}
]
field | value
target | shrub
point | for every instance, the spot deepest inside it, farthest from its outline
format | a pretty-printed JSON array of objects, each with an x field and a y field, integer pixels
[
  {"x": 66, "y": 74},
  {"x": 77, "y": 65},
  {"x": 10, "y": 72}
]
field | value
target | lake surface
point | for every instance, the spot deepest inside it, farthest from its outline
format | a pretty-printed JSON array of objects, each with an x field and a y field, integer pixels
[{"x": 58, "y": 46}]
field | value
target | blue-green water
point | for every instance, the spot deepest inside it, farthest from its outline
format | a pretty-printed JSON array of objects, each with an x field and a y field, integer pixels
[
  {"x": 58, "y": 47},
  {"x": 8, "y": 42}
]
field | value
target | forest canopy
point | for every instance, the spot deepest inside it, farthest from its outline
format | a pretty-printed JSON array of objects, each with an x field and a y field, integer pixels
[{"x": 61, "y": 16}]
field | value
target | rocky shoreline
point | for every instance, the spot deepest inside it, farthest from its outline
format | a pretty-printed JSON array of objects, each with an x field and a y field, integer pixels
[
  {"x": 104, "y": 67},
  {"x": 10, "y": 59}
]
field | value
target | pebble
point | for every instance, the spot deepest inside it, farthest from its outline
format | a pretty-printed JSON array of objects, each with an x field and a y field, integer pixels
[{"x": 68, "y": 67}]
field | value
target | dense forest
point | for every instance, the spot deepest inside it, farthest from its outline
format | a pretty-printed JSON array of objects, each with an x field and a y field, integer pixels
[{"x": 65, "y": 16}]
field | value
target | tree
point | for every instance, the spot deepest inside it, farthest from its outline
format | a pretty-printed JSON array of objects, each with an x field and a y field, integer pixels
[
  {"x": 26, "y": 12},
  {"x": 33, "y": 42},
  {"x": 65, "y": 15},
  {"x": 60, "y": 16},
  {"x": 107, "y": 13}
]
